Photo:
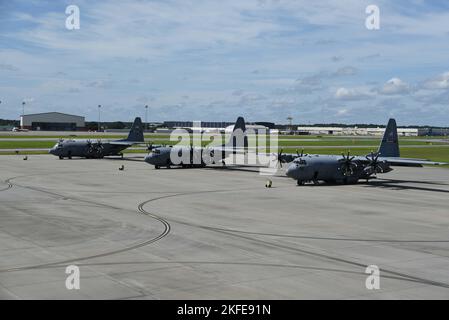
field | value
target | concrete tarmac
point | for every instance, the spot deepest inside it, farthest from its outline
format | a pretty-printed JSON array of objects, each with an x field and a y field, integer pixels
[{"x": 214, "y": 233}]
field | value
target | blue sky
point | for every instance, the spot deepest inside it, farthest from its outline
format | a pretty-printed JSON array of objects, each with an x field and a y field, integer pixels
[{"x": 216, "y": 60}]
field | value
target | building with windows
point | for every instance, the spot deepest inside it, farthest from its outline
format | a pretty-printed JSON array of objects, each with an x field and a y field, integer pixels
[{"x": 354, "y": 131}]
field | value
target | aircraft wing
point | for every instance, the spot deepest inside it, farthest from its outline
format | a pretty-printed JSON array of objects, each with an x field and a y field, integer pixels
[
  {"x": 229, "y": 149},
  {"x": 396, "y": 161},
  {"x": 410, "y": 162},
  {"x": 284, "y": 157},
  {"x": 125, "y": 143}
]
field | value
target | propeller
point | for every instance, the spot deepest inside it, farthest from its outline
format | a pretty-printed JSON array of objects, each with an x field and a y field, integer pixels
[
  {"x": 99, "y": 146},
  {"x": 279, "y": 158},
  {"x": 373, "y": 166},
  {"x": 149, "y": 147},
  {"x": 96, "y": 147},
  {"x": 347, "y": 165},
  {"x": 302, "y": 154},
  {"x": 89, "y": 146}
]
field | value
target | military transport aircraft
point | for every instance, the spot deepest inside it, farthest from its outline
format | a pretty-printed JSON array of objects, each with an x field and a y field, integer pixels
[
  {"x": 190, "y": 156},
  {"x": 98, "y": 149},
  {"x": 349, "y": 169}
]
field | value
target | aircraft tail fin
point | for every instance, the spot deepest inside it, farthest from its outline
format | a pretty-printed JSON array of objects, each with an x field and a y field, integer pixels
[
  {"x": 238, "y": 137},
  {"x": 389, "y": 147},
  {"x": 136, "y": 132}
]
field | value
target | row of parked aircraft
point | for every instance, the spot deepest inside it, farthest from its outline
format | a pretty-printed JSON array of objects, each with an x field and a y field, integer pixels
[{"x": 302, "y": 167}]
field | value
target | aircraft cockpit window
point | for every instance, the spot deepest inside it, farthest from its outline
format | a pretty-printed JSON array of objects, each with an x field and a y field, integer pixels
[
  {"x": 156, "y": 151},
  {"x": 301, "y": 162}
]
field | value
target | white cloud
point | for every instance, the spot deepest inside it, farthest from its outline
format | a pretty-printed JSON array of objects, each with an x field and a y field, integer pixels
[
  {"x": 395, "y": 86},
  {"x": 342, "y": 112},
  {"x": 351, "y": 94},
  {"x": 438, "y": 82},
  {"x": 346, "y": 71}
]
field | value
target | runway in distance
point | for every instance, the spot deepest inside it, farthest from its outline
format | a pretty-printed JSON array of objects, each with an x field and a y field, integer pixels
[
  {"x": 190, "y": 156},
  {"x": 349, "y": 169},
  {"x": 98, "y": 149}
]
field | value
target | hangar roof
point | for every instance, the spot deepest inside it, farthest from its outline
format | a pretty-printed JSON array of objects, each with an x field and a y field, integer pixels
[{"x": 52, "y": 112}]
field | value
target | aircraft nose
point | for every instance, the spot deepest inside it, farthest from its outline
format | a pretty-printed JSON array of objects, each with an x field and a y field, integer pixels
[
  {"x": 148, "y": 159},
  {"x": 291, "y": 170}
]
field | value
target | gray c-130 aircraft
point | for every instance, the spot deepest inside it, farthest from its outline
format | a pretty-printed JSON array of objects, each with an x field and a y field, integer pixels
[
  {"x": 349, "y": 169},
  {"x": 190, "y": 157},
  {"x": 98, "y": 149}
]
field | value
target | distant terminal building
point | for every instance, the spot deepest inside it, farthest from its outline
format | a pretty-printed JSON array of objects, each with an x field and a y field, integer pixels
[
  {"x": 52, "y": 121},
  {"x": 433, "y": 131},
  {"x": 214, "y": 126},
  {"x": 354, "y": 131},
  {"x": 189, "y": 124}
]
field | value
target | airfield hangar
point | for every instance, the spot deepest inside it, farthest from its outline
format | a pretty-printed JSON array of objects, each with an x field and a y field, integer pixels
[{"x": 52, "y": 121}]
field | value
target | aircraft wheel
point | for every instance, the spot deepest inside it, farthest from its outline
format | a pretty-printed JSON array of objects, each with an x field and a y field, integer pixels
[
  {"x": 61, "y": 157},
  {"x": 300, "y": 182},
  {"x": 156, "y": 167}
]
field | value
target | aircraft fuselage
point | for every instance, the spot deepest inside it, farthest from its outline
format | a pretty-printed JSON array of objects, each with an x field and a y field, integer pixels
[
  {"x": 326, "y": 168},
  {"x": 85, "y": 148}
]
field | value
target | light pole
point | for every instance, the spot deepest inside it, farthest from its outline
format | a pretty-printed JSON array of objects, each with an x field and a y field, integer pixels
[
  {"x": 146, "y": 117},
  {"x": 23, "y": 112},
  {"x": 99, "y": 110}
]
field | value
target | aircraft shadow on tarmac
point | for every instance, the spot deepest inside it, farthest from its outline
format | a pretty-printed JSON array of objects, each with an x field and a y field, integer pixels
[
  {"x": 400, "y": 185},
  {"x": 393, "y": 184},
  {"x": 132, "y": 158}
]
